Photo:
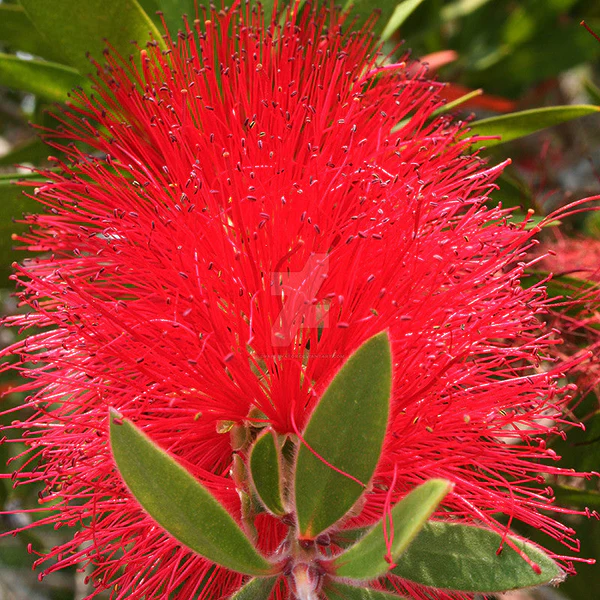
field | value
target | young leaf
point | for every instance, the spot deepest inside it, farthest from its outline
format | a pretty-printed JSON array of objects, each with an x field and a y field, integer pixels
[
  {"x": 76, "y": 27},
  {"x": 259, "y": 588},
  {"x": 49, "y": 80},
  {"x": 342, "y": 591},
  {"x": 346, "y": 429},
  {"x": 519, "y": 124},
  {"x": 265, "y": 469},
  {"x": 179, "y": 503},
  {"x": 367, "y": 558},
  {"x": 463, "y": 558}
]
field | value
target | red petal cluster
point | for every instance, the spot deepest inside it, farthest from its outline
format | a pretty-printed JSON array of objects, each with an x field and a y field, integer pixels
[{"x": 237, "y": 215}]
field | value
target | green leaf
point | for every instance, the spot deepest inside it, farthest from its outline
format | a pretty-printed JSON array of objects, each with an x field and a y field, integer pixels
[
  {"x": 173, "y": 10},
  {"x": 519, "y": 124},
  {"x": 17, "y": 33},
  {"x": 265, "y": 469},
  {"x": 402, "y": 11},
  {"x": 575, "y": 497},
  {"x": 179, "y": 503},
  {"x": 366, "y": 559},
  {"x": 13, "y": 203},
  {"x": 593, "y": 90},
  {"x": 362, "y": 10},
  {"x": 49, "y": 80},
  {"x": 259, "y": 588},
  {"x": 75, "y": 28},
  {"x": 463, "y": 558},
  {"x": 346, "y": 429},
  {"x": 342, "y": 591},
  {"x": 32, "y": 151},
  {"x": 454, "y": 103},
  {"x": 460, "y": 8}
]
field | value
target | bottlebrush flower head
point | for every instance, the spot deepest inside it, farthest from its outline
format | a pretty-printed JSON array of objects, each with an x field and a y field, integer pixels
[{"x": 237, "y": 215}]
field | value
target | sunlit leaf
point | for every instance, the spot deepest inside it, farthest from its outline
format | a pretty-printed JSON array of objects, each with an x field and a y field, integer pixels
[
  {"x": 402, "y": 11},
  {"x": 75, "y": 28},
  {"x": 519, "y": 124}
]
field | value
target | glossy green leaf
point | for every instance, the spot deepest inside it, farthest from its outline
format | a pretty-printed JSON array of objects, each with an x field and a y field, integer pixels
[
  {"x": 179, "y": 503},
  {"x": 346, "y": 429},
  {"x": 366, "y": 559},
  {"x": 76, "y": 27},
  {"x": 402, "y": 11},
  {"x": 265, "y": 469},
  {"x": 463, "y": 558},
  {"x": 173, "y": 11},
  {"x": 519, "y": 124},
  {"x": 342, "y": 591},
  {"x": 49, "y": 80},
  {"x": 17, "y": 33},
  {"x": 259, "y": 588}
]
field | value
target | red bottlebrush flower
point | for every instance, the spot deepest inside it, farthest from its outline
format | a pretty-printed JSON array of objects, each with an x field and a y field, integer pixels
[{"x": 259, "y": 201}]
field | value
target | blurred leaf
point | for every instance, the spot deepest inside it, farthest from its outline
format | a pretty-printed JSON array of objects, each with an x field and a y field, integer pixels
[
  {"x": 32, "y": 151},
  {"x": 343, "y": 591},
  {"x": 367, "y": 558},
  {"x": 588, "y": 532},
  {"x": 76, "y": 27},
  {"x": 581, "y": 448},
  {"x": 461, "y": 8},
  {"x": 179, "y": 503},
  {"x": 542, "y": 57},
  {"x": 576, "y": 498},
  {"x": 592, "y": 90},
  {"x": 13, "y": 203},
  {"x": 361, "y": 10},
  {"x": 402, "y": 11},
  {"x": 17, "y": 32},
  {"x": 347, "y": 429},
  {"x": 49, "y": 80},
  {"x": 258, "y": 588},
  {"x": 512, "y": 192},
  {"x": 265, "y": 469},
  {"x": 516, "y": 125},
  {"x": 449, "y": 106},
  {"x": 464, "y": 558}
]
